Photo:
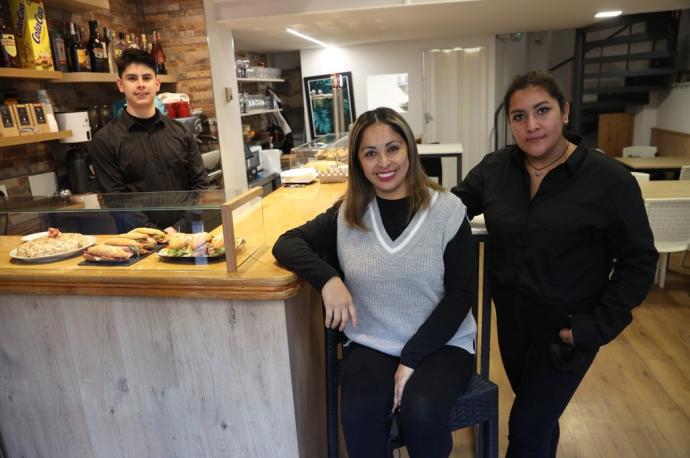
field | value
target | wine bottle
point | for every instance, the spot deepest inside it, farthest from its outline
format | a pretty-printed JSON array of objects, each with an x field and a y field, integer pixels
[
  {"x": 8, "y": 42},
  {"x": 97, "y": 52},
  {"x": 158, "y": 54},
  {"x": 57, "y": 47},
  {"x": 82, "y": 51}
]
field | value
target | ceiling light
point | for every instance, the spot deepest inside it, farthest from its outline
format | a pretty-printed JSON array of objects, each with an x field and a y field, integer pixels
[
  {"x": 605, "y": 14},
  {"x": 308, "y": 38}
]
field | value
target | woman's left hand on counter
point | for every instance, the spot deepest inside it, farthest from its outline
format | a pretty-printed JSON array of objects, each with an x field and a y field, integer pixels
[{"x": 402, "y": 375}]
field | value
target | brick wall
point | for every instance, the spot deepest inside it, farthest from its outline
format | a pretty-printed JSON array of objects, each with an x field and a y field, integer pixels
[{"x": 183, "y": 37}]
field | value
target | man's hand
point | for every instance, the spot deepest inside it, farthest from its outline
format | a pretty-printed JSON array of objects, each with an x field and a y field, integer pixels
[
  {"x": 402, "y": 375},
  {"x": 338, "y": 304},
  {"x": 566, "y": 336}
]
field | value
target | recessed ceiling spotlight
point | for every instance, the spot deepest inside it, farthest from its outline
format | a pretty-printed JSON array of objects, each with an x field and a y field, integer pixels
[
  {"x": 605, "y": 14},
  {"x": 308, "y": 38}
]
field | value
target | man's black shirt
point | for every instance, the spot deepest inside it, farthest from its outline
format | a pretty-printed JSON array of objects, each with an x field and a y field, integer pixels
[
  {"x": 558, "y": 248},
  {"x": 146, "y": 155}
]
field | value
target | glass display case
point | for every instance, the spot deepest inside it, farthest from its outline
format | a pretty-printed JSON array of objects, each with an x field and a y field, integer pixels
[
  {"x": 327, "y": 154},
  {"x": 196, "y": 217}
]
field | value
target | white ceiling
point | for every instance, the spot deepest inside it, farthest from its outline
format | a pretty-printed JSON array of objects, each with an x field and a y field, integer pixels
[{"x": 422, "y": 21}]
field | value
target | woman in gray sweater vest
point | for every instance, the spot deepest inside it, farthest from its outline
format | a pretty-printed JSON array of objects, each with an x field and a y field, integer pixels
[{"x": 394, "y": 261}]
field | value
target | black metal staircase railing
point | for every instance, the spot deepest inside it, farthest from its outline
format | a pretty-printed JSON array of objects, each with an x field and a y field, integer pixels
[{"x": 604, "y": 89}]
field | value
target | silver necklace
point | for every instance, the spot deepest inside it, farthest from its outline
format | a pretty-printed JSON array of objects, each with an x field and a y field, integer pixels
[{"x": 537, "y": 170}]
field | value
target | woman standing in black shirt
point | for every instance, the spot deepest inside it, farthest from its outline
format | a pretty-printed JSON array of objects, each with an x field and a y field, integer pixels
[{"x": 571, "y": 253}]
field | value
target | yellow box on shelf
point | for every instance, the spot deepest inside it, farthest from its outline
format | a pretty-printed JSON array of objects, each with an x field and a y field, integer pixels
[{"x": 31, "y": 28}]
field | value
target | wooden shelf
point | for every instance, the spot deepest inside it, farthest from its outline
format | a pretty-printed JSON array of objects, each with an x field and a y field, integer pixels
[
  {"x": 261, "y": 80},
  {"x": 26, "y": 139},
  {"x": 78, "y": 5},
  {"x": 258, "y": 112},
  {"x": 89, "y": 77},
  {"x": 29, "y": 73}
]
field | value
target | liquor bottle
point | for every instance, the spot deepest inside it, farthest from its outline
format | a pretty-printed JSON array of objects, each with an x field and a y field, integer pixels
[
  {"x": 158, "y": 54},
  {"x": 72, "y": 50},
  {"x": 118, "y": 45},
  {"x": 144, "y": 43},
  {"x": 82, "y": 51},
  {"x": 8, "y": 41},
  {"x": 109, "y": 38},
  {"x": 57, "y": 46},
  {"x": 97, "y": 51},
  {"x": 131, "y": 42}
]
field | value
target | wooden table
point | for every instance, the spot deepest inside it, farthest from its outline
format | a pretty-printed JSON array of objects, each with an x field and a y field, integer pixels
[
  {"x": 162, "y": 360},
  {"x": 655, "y": 164},
  {"x": 665, "y": 189}
]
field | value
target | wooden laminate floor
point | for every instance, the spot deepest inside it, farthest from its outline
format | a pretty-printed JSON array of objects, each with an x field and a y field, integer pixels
[{"x": 635, "y": 400}]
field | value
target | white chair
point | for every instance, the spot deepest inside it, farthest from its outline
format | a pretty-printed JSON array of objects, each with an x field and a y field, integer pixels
[
  {"x": 640, "y": 176},
  {"x": 639, "y": 151},
  {"x": 684, "y": 173},
  {"x": 670, "y": 223}
]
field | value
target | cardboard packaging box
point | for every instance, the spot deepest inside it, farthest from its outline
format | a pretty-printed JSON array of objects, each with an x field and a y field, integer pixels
[
  {"x": 8, "y": 125},
  {"x": 31, "y": 28},
  {"x": 24, "y": 121},
  {"x": 38, "y": 117}
]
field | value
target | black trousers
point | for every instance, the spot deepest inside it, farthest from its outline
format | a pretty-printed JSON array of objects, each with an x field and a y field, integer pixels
[
  {"x": 526, "y": 332},
  {"x": 367, "y": 399}
]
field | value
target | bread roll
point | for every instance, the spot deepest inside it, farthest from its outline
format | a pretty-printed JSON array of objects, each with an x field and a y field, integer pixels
[
  {"x": 199, "y": 239},
  {"x": 123, "y": 241},
  {"x": 109, "y": 252},
  {"x": 178, "y": 241}
]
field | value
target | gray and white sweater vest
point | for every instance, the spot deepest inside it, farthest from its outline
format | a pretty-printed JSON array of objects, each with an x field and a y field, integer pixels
[{"x": 395, "y": 285}]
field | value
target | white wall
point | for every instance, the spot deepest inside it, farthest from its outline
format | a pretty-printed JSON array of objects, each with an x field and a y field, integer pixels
[
  {"x": 668, "y": 110},
  {"x": 383, "y": 58}
]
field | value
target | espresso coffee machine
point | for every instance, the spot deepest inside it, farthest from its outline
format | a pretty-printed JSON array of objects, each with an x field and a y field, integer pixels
[{"x": 251, "y": 160}]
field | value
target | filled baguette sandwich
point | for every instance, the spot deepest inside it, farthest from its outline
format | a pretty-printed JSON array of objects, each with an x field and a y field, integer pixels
[
  {"x": 103, "y": 252},
  {"x": 156, "y": 234}
]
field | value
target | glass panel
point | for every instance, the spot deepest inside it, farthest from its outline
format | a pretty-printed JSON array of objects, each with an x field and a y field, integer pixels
[{"x": 248, "y": 225}]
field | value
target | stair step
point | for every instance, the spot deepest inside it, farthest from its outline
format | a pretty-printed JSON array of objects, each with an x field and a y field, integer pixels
[
  {"x": 603, "y": 106},
  {"x": 634, "y": 38},
  {"x": 630, "y": 57},
  {"x": 622, "y": 89},
  {"x": 630, "y": 73}
]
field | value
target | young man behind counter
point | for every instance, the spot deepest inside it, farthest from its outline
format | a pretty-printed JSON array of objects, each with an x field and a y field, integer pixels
[{"x": 142, "y": 150}]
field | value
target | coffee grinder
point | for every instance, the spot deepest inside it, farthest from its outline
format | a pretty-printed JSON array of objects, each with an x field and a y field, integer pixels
[{"x": 77, "y": 168}]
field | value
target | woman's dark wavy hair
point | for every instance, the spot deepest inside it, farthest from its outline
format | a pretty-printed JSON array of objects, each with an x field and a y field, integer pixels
[
  {"x": 538, "y": 78},
  {"x": 360, "y": 191}
]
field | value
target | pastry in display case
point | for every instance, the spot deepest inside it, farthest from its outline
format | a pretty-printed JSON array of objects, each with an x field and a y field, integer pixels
[
  {"x": 326, "y": 154},
  {"x": 125, "y": 228}
]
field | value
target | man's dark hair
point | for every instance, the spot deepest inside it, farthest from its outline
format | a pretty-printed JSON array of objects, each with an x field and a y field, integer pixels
[{"x": 135, "y": 56}]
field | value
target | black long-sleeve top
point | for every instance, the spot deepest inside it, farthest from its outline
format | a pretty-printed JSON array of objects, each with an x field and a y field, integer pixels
[
  {"x": 146, "y": 155},
  {"x": 310, "y": 251},
  {"x": 558, "y": 248}
]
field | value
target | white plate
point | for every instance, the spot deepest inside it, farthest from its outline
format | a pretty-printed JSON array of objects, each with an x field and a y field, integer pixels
[
  {"x": 34, "y": 236},
  {"x": 90, "y": 240}
]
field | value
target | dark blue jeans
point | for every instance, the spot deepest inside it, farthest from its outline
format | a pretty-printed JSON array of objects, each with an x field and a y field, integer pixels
[
  {"x": 367, "y": 398},
  {"x": 525, "y": 334}
]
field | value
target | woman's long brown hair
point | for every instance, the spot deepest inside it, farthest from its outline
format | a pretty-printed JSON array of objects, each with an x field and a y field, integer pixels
[{"x": 360, "y": 191}]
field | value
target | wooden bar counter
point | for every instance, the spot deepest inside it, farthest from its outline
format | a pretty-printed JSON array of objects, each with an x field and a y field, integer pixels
[{"x": 165, "y": 360}]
